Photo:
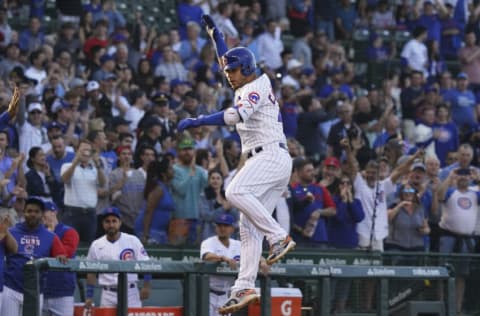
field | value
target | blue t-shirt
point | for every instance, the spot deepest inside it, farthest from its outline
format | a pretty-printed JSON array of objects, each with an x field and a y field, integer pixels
[
  {"x": 447, "y": 141},
  {"x": 56, "y": 164},
  {"x": 289, "y": 118},
  {"x": 433, "y": 26},
  {"x": 463, "y": 108}
]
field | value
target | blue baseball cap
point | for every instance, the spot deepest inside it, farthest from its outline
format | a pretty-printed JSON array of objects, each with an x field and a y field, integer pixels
[
  {"x": 225, "y": 219},
  {"x": 462, "y": 75},
  {"x": 112, "y": 210},
  {"x": 50, "y": 206}
]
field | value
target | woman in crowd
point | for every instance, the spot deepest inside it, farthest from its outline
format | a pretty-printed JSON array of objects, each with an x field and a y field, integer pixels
[
  {"x": 213, "y": 203},
  {"x": 342, "y": 232},
  {"x": 407, "y": 222},
  {"x": 152, "y": 223},
  {"x": 40, "y": 181}
]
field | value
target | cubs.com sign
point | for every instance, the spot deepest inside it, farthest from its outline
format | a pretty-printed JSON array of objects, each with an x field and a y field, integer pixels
[{"x": 285, "y": 302}]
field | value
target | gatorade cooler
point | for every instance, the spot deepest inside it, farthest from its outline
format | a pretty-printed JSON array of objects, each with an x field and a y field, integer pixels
[
  {"x": 142, "y": 311},
  {"x": 285, "y": 302}
]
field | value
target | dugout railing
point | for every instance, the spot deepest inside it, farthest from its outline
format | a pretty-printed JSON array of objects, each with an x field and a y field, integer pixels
[{"x": 195, "y": 276}]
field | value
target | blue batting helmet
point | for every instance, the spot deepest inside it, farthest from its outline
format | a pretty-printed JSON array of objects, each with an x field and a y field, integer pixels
[{"x": 240, "y": 57}]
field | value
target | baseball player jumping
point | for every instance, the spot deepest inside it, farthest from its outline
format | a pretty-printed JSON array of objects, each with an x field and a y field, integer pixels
[{"x": 256, "y": 188}]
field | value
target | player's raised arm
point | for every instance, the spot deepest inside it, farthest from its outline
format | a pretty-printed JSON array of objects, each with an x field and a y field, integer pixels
[{"x": 216, "y": 36}]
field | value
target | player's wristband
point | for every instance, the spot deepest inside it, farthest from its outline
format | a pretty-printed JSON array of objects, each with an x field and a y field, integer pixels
[
  {"x": 90, "y": 289},
  {"x": 147, "y": 277}
]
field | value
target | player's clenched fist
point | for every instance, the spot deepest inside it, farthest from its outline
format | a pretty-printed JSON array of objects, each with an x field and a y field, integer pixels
[{"x": 187, "y": 123}]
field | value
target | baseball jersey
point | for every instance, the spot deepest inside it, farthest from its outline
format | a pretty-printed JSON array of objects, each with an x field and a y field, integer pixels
[
  {"x": 460, "y": 211},
  {"x": 59, "y": 283},
  {"x": 32, "y": 244},
  {"x": 261, "y": 121},
  {"x": 2, "y": 260},
  {"x": 215, "y": 246},
  {"x": 127, "y": 247},
  {"x": 367, "y": 197}
]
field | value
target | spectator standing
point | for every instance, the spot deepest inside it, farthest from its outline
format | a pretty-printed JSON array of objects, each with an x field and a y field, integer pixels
[
  {"x": 464, "y": 105},
  {"x": 415, "y": 53},
  {"x": 40, "y": 181},
  {"x": 270, "y": 46},
  {"x": 188, "y": 182},
  {"x": 82, "y": 178},
  {"x": 121, "y": 246},
  {"x": 457, "y": 223},
  {"x": 213, "y": 203},
  {"x": 170, "y": 66},
  {"x": 311, "y": 205},
  {"x": 151, "y": 225},
  {"x": 469, "y": 56},
  {"x": 191, "y": 47},
  {"x": 221, "y": 248},
  {"x": 135, "y": 112},
  {"x": 31, "y": 132},
  {"x": 34, "y": 242},
  {"x": 55, "y": 159},
  {"x": 146, "y": 156},
  {"x": 407, "y": 222},
  {"x": 11, "y": 60},
  {"x": 342, "y": 232},
  {"x": 126, "y": 186},
  {"x": 60, "y": 286},
  {"x": 346, "y": 16},
  {"x": 32, "y": 38},
  {"x": 410, "y": 99},
  {"x": 12, "y": 169},
  {"x": 447, "y": 134}
]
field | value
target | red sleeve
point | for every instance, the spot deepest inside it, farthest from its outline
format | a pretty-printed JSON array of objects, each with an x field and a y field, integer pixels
[
  {"x": 327, "y": 199},
  {"x": 57, "y": 248},
  {"x": 70, "y": 242}
]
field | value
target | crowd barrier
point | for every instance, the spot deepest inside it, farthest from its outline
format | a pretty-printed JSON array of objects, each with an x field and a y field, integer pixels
[{"x": 195, "y": 276}]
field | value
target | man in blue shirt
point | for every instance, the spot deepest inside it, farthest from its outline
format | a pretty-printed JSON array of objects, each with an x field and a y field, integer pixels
[
  {"x": 464, "y": 104},
  {"x": 8, "y": 244},
  {"x": 310, "y": 203}
]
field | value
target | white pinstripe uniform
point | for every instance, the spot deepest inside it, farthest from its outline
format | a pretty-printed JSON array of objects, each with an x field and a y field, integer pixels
[
  {"x": 127, "y": 247},
  {"x": 258, "y": 185},
  {"x": 219, "y": 284}
]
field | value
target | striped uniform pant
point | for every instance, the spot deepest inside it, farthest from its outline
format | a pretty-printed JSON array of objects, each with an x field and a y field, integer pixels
[
  {"x": 255, "y": 190},
  {"x": 58, "y": 306},
  {"x": 12, "y": 302}
]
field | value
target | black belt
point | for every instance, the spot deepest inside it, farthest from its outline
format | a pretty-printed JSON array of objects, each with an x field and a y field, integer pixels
[
  {"x": 115, "y": 289},
  {"x": 258, "y": 149},
  {"x": 218, "y": 293}
]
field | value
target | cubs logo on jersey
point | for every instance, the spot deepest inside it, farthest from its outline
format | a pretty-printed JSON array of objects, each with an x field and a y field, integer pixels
[
  {"x": 127, "y": 254},
  {"x": 464, "y": 203},
  {"x": 253, "y": 97}
]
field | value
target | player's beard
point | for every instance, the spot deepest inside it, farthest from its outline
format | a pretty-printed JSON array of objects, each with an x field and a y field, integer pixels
[{"x": 112, "y": 232}]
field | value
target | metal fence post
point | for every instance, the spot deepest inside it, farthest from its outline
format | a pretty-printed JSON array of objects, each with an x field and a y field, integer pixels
[
  {"x": 382, "y": 297},
  {"x": 122, "y": 294},
  {"x": 204, "y": 294},
  {"x": 266, "y": 296},
  {"x": 189, "y": 295},
  {"x": 324, "y": 296},
  {"x": 31, "y": 293},
  {"x": 451, "y": 297}
]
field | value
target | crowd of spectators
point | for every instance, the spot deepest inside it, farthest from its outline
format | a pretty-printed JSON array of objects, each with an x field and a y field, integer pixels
[{"x": 374, "y": 164}]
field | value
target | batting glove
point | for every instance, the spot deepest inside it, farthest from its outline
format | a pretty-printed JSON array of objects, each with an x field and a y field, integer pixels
[
  {"x": 187, "y": 123},
  {"x": 209, "y": 25}
]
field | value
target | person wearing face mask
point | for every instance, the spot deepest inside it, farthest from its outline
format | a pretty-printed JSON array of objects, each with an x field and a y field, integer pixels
[{"x": 82, "y": 178}]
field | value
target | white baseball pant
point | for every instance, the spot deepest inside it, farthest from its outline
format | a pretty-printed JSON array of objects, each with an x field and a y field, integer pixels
[
  {"x": 255, "y": 190},
  {"x": 109, "y": 298},
  {"x": 58, "y": 306},
  {"x": 216, "y": 301},
  {"x": 14, "y": 302}
]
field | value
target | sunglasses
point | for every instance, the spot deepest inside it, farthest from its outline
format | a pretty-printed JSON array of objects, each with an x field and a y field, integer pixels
[
  {"x": 36, "y": 112},
  {"x": 408, "y": 190}
]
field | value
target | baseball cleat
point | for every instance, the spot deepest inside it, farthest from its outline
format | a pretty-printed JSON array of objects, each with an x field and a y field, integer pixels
[
  {"x": 239, "y": 300},
  {"x": 279, "y": 249}
]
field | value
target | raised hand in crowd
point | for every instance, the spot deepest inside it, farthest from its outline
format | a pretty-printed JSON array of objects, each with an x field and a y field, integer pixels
[{"x": 14, "y": 102}]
